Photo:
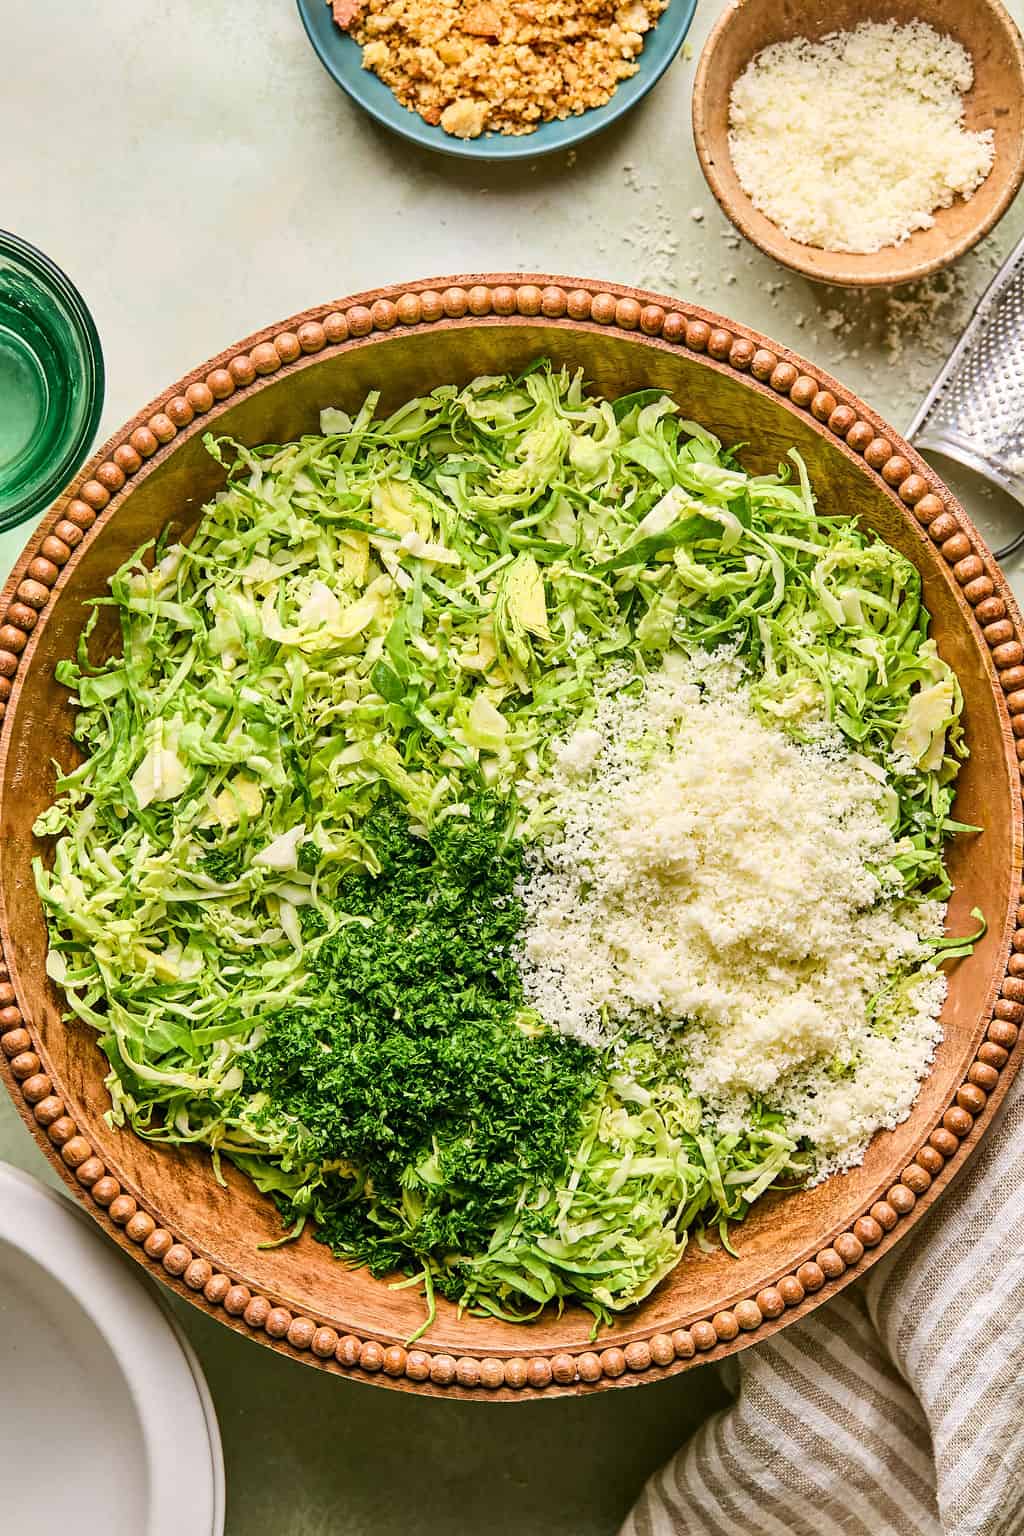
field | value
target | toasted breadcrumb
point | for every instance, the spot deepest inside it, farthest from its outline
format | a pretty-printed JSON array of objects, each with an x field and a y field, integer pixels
[{"x": 499, "y": 66}]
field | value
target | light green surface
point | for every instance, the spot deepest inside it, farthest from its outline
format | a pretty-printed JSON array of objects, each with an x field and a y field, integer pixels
[{"x": 200, "y": 176}]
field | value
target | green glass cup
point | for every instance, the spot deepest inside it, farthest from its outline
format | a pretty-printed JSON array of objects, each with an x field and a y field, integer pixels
[{"x": 51, "y": 380}]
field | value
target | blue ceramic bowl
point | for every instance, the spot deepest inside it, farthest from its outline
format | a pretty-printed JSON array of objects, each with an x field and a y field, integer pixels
[{"x": 342, "y": 58}]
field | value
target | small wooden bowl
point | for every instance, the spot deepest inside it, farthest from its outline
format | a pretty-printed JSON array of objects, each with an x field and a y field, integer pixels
[
  {"x": 996, "y": 101},
  {"x": 162, "y": 1203}
]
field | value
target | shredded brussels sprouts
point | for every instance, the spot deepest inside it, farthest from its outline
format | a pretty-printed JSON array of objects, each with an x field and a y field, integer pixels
[{"x": 405, "y": 613}]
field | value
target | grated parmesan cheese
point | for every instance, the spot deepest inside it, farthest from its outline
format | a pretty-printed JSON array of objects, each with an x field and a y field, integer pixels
[
  {"x": 853, "y": 142},
  {"x": 709, "y": 875}
]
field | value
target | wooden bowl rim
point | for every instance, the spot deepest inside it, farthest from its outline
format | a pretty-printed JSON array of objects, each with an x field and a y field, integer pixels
[
  {"x": 738, "y": 208},
  {"x": 986, "y": 604}
]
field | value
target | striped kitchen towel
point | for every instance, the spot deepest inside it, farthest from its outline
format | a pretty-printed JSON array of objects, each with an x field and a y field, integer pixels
[{"x": 895, "y": 1410}]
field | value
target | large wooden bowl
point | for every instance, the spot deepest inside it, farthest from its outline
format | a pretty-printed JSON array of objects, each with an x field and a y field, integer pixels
[{"x": 161, "y": 1204}]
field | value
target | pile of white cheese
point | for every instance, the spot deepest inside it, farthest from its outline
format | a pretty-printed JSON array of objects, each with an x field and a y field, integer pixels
[
  {"x": 853, "y": 142},
  {"x": 710, "y": 879}
]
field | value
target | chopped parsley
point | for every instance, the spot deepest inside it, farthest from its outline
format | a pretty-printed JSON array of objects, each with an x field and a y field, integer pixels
[{"x": 413, "y": 1061}]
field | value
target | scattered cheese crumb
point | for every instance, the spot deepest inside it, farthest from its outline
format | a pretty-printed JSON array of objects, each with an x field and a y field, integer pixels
[
  {"x": 656, "y": 245},
  {"x": 853, "y": 142},
  {"x": 714, "y": 877}
]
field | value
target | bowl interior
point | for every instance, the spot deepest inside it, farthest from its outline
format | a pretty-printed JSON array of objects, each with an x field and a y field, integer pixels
[
  {"x": 995, "y": 101},
  {"x": 342, "y": 58},
  {"x": 77, "y": 1328},
  {"x": 79, "y": 1363},
  {"x": 226, "y": 1225}
]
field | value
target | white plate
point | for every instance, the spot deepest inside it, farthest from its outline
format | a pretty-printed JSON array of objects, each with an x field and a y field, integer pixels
[{"x": 105, "y": 1418}]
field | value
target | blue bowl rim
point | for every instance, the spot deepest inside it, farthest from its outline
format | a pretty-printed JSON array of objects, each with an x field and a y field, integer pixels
[
  {"x": 41, "y": 493},
  {"x": 575, "y": 129}
]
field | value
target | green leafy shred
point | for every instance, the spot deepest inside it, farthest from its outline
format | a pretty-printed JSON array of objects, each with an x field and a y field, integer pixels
[{"x": 282, "y": 889}]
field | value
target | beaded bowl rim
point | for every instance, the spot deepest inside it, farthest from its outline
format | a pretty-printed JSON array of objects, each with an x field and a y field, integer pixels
[{"x": 983, "y": 596}]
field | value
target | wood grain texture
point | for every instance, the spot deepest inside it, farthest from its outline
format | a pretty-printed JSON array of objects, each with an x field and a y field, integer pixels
[
  {"x": 161, "y": 1203},
  {"x": 995, "y": 101}
]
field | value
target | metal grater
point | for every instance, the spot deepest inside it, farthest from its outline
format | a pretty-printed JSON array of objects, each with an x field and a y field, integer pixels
[{"x": 974, "y": 412}]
